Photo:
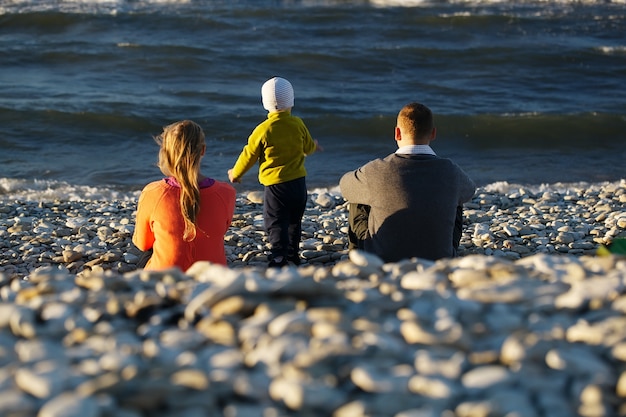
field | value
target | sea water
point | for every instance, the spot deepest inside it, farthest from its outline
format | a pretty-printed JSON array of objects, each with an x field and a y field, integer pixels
[{"x": 528, "y": 92}]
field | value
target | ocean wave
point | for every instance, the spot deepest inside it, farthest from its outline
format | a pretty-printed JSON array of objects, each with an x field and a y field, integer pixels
[
  {"x": 504, "y": 187},
  {"x": 113, "y": 7},
  {"x": 49, "y": 190},
  {"x": 520, "y": 93},
  {"x": 426, "y": 3},
  {"x": 94, "y": 149},
  {"x": 12, "y": 189},
  {"x": 507, "y": 130},
  {"x": 612, "y": 50}
]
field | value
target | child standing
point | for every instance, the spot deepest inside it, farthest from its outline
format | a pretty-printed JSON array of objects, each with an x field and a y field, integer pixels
[
  {"x": 280, "y": 144},
  {"x": 184, "y": 217}
]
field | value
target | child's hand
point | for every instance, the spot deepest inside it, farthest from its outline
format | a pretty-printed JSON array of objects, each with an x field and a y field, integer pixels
[
  {"x": 230, "y": 177},
  {"x": 318, "y": 147}
]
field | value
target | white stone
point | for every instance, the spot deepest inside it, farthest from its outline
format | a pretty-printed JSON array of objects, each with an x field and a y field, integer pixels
[
  {"x": 621, "y": 385},
  {"x": 70, "y": 405},
  {"x": 43, "y": 382},
  {"x": 255, "y": 197},
  {"x": 485, "y": 377},
  {"x": 362, "y": 258},
  {"x": 429, "y": 387},
  {"x": 325, "y": 200}
]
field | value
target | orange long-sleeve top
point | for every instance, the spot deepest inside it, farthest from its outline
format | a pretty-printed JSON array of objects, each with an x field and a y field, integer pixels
[{"x": 159, "y": 225}]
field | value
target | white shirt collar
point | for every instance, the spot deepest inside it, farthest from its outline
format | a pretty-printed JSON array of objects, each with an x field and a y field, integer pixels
[{"x": 416, "y": 149}]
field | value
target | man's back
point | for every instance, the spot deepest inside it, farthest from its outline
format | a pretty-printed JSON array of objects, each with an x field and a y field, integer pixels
[{"x": 413, "y": 200}]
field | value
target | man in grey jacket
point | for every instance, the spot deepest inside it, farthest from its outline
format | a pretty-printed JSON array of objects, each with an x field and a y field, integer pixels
[{"x": 412, "y": 200}]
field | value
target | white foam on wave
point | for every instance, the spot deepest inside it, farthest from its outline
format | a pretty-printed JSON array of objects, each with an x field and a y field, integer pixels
[
  {"x": 503, "y": 187},
  {"x": 12, "y": 189},
  {"x": 83, "y": 6},
  {"x": 45, "y": 190},
  {"x": 612, "y": 50},
  {"x": 113, "y": 6},
  {"x": 334, "y": 191},
  {"x": 399, "y": 3},
  {"x": 424, "y": 3}
]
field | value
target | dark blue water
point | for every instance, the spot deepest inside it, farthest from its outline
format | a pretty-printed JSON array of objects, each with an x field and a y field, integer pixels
[{"x": 524, "y": 92}]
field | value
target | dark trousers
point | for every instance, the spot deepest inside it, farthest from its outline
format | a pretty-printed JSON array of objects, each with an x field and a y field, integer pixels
[
  {"x": 358, "y": 216},
  {"x": 458, "y": 229},
  {"x": 283, "y": 208},
  {"x": 144, "y": 257}
]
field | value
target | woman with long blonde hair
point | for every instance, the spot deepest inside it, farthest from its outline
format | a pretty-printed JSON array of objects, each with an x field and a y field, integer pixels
[{"x": 183, "y": 218}]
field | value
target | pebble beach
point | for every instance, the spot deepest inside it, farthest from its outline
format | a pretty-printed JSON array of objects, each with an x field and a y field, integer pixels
[{"x": 527, "y": 321}]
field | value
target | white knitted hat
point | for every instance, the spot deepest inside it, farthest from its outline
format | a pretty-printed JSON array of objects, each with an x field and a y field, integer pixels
[{"x": 277, "y": 94}]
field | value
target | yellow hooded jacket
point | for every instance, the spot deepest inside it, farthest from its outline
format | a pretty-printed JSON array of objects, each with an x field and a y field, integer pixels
[{"x": 280, "y": 144}]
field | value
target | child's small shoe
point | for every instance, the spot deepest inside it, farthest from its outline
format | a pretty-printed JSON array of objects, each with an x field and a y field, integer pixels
[
  {"x": 277, "y": 262},
  {"x": 295, "y": 259}
]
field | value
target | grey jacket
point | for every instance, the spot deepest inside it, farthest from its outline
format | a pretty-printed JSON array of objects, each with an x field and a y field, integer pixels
[{"x": 413, "y": 200}]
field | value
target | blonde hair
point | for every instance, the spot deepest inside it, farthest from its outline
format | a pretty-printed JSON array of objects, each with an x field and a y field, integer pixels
[{"x": 182, "y": 146}]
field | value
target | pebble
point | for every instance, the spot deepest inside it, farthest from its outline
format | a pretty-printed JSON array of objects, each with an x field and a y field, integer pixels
[{"x": 527, "y": 321}]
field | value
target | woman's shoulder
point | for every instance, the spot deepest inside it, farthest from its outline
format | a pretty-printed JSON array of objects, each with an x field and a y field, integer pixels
[
  {"x": 220, "y": 187},
  {"x": 154, "y": 193},
  {"x": 224, "y": 185},
  {"x": 220, "y": 194},
  {"x": 155, "y": 186}
]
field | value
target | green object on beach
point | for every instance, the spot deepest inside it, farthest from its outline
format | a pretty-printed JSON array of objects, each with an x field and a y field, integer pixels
[{"x": 616, "y": 247}]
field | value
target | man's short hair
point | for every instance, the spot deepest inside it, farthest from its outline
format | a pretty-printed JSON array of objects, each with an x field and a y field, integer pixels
[{"x": 416, "y": 120}]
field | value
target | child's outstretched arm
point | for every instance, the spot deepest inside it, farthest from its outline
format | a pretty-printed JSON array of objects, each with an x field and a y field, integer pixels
[
  {"x": 249, "y": 155},
  {"x": 315, "y": 148}
]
